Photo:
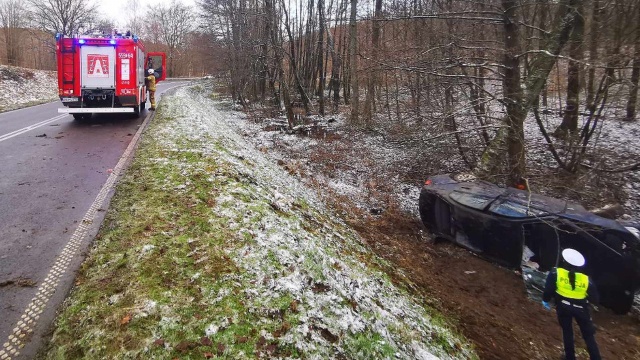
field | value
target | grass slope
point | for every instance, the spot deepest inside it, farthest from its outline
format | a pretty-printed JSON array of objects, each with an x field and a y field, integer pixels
[
  {"x": 210, "y": 250},
  {"x": 21, "y": 87}
]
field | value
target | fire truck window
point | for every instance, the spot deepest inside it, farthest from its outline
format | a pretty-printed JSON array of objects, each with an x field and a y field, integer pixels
[{"x": 155, "y": 63}]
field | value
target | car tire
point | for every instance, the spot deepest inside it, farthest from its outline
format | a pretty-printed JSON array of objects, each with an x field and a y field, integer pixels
[{"x": 623, "y": 303}]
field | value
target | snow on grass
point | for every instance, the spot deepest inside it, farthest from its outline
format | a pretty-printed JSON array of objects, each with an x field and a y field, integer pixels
[
  {"x": 210, "y": 247},
  {"x": 21, "y": 87},
  {"x": 321, "y": 270}
]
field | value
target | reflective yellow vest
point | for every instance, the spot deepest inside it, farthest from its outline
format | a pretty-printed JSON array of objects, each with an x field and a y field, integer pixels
[{"x": 563, "y": 285}]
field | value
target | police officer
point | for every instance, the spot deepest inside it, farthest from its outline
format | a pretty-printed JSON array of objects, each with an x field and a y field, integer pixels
[
  {"x": 150, "y": 81},
  {"x": 572, "y": 291}
]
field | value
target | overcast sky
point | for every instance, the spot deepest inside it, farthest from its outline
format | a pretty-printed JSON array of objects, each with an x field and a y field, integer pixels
[{"x": 116, "y": 10}]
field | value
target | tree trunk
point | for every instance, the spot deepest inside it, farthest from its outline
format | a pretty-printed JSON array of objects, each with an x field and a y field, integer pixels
[
  {"x": 353, "y": 53},
  {"x": 513, "y": 95},
  {"x": 544, "y": 11},
  {"x": 369, "y": 102},
  {"x": 277, "y": 46},
  {"x": 635, "y": 73},
  {"x": 596, "y": 14},
  {"x": 517, "y": 104},
  {"x": 320, "y": 57},
  {"x": 336, "y": 62},
  {"x": 294, "y": 64},
  {"x": 569, "y": 125}
]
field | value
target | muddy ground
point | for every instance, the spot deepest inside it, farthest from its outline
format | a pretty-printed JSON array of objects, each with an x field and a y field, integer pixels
[
  {"x": 487, "y": 303},
  {"x": 490, "y": 305}
]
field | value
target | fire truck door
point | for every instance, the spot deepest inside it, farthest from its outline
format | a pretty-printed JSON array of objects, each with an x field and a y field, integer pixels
[
  {"x": 158, "y": 62},
  {"x": 97, "y": 66}
]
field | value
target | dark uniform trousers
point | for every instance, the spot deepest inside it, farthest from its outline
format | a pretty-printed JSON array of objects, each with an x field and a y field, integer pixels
[{"x": 566, "y": 313}]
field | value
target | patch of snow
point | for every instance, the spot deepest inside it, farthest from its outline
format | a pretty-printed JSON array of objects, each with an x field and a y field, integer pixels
[
  {"x": 212, "y": 329},
  {"x": 21, "y": 87},
  {"x": 147, "y": 248},
  {"x": 113, "y": 299}
]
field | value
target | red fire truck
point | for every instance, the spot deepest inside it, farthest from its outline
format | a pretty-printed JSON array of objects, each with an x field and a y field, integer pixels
[{"x": 104, "y": 74}]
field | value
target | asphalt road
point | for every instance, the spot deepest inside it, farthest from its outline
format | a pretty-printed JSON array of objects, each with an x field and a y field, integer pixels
[{"x": 52, "y": 172}]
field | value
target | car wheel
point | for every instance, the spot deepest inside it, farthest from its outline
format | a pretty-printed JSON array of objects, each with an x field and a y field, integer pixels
[{"x": 622, "y": 304}]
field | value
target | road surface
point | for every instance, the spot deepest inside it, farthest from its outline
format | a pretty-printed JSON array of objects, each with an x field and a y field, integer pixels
[{"x": 55, "y": 183}]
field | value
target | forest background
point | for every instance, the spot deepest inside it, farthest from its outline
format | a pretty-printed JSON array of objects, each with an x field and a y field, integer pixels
[{"x": 469, "y": 74}]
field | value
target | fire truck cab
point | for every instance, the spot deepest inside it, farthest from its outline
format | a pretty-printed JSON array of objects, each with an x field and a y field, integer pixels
[{"x": 98, "y": 74}]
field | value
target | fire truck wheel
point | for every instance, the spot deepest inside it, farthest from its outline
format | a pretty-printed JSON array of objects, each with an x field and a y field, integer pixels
[
  {"x": 136, "y": 110},
  {"x": 81, "y": 117},
  {"x": 143, "y": 105}
]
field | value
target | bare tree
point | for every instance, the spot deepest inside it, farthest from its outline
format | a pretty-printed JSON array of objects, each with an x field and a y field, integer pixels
[
  {"x": 66, "y": 17},
  {"x": 635, "y": 73},
  {"x": 135, "y": 22},
  {"x": 372, "y": 80},
  {"x": 12, "y": 18},
  {"x": 569, "y": 125},
  {"x": 353, "y": 53},
  {"x": 320, "y": 57},
  {"x": 519, "y": 102},
  {"x": 174, "y": 23},
  {"x": 596, "y": 18}
]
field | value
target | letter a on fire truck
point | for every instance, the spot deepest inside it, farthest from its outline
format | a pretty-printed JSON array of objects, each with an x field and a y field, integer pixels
[{"x": 98, "y": 65}]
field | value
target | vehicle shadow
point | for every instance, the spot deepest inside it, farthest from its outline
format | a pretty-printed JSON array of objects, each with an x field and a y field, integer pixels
[{"x": 120, "y": 120}]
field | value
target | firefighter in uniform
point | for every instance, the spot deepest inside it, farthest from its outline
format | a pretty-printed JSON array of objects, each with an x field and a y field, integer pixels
[
  {"x": 572, "y": 291},
  {"x": 151, "y": 87}
]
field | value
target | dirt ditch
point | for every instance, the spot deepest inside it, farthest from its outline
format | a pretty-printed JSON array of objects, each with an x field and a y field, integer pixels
[{"x": 487, "y": 303}]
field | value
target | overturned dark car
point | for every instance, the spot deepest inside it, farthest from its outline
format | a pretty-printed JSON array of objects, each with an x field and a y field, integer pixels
[{"x": 514, "y": 228}]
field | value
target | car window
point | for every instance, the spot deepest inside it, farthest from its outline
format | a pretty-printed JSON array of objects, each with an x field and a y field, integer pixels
[
  {"x": 513, "y": 209},
  {"x": 474, "y": 201}
]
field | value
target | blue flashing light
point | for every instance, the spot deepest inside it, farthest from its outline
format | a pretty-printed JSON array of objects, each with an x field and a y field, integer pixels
[
  {"x": 58, "y": 36},
  {"x": 81, "y": 41},
  {"x": 135, "y": 38},
  {"x": 112, "y": 41}
]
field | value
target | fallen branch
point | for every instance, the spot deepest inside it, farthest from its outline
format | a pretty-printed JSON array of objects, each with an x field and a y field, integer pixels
[
  {"x": 552, "y": 148},
  {"x": 463, "y": 131},
  {"x": 632, "y": 167}
]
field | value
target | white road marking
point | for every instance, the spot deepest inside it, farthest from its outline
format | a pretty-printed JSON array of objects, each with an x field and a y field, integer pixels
[
  {"x": 30, "y": 127},
  {"x": 26, "y": 325}
]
